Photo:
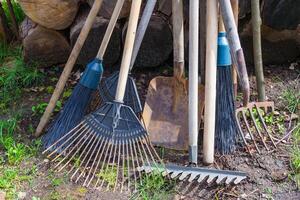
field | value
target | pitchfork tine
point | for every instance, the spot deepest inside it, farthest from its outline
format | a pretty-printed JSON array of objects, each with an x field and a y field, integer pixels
[
  {"x": 250, "y": 133},
  {"x": 257, "y": 128}
]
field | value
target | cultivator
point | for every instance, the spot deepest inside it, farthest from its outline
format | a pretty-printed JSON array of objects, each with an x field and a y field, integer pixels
[{"x": 252, "y": 125}]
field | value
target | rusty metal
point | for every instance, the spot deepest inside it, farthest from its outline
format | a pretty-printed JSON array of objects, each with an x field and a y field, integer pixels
[
  {"x": 255, "y": 126},
  {"x": 165, "y": 114}
]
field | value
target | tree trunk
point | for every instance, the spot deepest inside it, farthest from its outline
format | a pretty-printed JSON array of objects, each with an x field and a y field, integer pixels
[
  {"x": 259, "y": 72},
  {"x": 54, "y": 14},
  {"x": 157, "y": 44},
  {"x": 93, "y": 41},
  {"x": 108, "y": 7},
  {"x": 44, "y": 46}
]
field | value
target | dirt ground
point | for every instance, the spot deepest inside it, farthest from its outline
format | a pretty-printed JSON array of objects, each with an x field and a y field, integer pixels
[{"x": 268, "y": 172}]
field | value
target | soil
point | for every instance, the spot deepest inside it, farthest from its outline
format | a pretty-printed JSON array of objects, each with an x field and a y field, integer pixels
[{"x": 268, "y": 172}]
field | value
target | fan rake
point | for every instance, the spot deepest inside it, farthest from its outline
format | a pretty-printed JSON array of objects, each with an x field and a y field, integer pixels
[{"x": 108, "y": 146}]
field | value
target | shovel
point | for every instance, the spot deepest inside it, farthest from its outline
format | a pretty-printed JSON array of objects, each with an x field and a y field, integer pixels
[{"x": 165, "y": 114}]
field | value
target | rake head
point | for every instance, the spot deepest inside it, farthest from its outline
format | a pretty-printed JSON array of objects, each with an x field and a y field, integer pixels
[
  {"x": 197, "y": 174},
  {"x": 107, "y": 90},
  {"x": 252, "y": 126},
  {"x": 105, "y": 149}
]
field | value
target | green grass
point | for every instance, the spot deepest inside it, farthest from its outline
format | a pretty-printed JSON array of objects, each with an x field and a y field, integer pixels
[
  {"x": 292, "y": 100},
  {"x": 17, "y": 10},
  {"x": 15, "y": 75},
  {"x": 295, "y": 156},
  {"x": 155, "y": 187}
]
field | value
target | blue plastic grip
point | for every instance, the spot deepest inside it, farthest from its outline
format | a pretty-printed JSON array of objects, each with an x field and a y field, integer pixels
[
  {"x": 224, "y": 57},
  {"x": 92, "y": 74}
]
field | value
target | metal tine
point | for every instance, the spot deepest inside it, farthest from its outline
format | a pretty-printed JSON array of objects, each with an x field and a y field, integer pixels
[
  {"x": 257, "y": 128},
  {"x": 241, "y": 131},
  {"x": 237, "y": 180},
  {"x": 211, "y": 178},
  {"x": 184, "y": 175},
  {"x": 133, "y": 165},
  {"x": 128, "y": 165},
  {"x": 230, "y": 179},
  {"x": 113, "y": 163},
  {"x": 202, "y": 177},
  {"x": 107, "y": 165},
  {"x": 87, "y": 138},
  {"x": 90, "y": 157},
  {"x": 250, "y": 133},
  {"x": 192, "y": 177},
  {"x": 84, "y": 132},
  {"x": 86, "y": 155},
  {"x": 123, "y": 168},
  {"x": 117, "y": 176},
  {"x": 264, "y": 125},
  {"x": 61, "y": 145},
  {"x": 62, "y": 138},
  {"x": 175, "y": 174},
  {"x": 220, "y": 178},
  {"x": 84, "y": 150},
  {"x": 103, "y": 163},
  {"x": 138, "y": 163}
]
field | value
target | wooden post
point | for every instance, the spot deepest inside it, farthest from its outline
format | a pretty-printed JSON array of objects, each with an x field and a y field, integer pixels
[
  {"x": 210, "y": 81},
  {"x": 256, "y": 24}
]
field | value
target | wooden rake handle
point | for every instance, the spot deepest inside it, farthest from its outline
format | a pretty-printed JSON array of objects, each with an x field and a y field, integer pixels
[
  {"x": 110, "y": 29},
  {"x": 128, "y": 48},
  {"x": 68, "y": 67},
  {"x": 178, "y": 38}
]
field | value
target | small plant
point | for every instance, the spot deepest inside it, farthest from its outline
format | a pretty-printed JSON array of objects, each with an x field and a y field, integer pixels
[
  {"x": 40, "y": 108},
  {"x": 56, "y": 182},
  {"x": 154, "y": 187},
  {"x": 292, "y": 100},
  {"x": 109, "y": 176},
  {"x": 295, "y": 156}
]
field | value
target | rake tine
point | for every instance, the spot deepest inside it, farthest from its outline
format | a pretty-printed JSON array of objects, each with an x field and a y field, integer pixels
[
  {"x": 113, "y": 163},
  {"x": 133, "y": 165},
  {"x": 69, "y": 145},
  {"x": 85, "y": 156},
  {"x": 99, "y": 160},
  {"x": 210, "y": 179},
  {"x": 62, "y": 138},
  {"x": 192, "y": 177},
  {"x": 220, "y": 179},
  {"x": 250, "y": 133},
  {"x": 183, "y": 175},
  {"x": 137, "y": 161},
  {"x": 123, "y": 168},
  {"x": 241, "y": 132},
  {"x": 128, "y": 163},
  {"x": 107, "y": 166},
  {"x": 257, "y": 128},
  {"x": 74, "y": 154},
  {"x": 103, "y": 163},
  {"x": 265, "y": 127},
  {"x": 117, "y": 176}
]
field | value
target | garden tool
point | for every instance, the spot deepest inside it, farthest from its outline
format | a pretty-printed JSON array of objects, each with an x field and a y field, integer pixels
[
  {"x": 107, "y": 88},
  {"x": 110, "y": 144},
  {"x": 68, "y": 67},
  {"x": 210, "y": 81},
  {"x": 75, "y": 108},
  {"x": 235, "y": 48},
  {"x": 226, "y": 127},
  {"x": 166, "y": 108},
  {"x": 252, "y": 125},
  {"x": 194, "y": 173}
]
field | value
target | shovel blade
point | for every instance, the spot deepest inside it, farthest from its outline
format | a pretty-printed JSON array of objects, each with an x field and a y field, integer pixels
[{"x": 166, "y": 114}]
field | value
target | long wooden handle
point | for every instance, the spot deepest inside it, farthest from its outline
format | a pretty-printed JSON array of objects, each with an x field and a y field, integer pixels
[
  {"x": 178, "y": 38},
  {"x": 210, "y": 81},
  {"x": 235, "y": 9},
  {"x": 110, "y": 29},
  {"x": 128, "y": 47},
  {"x": 235, "y": 48},
  {"x": 141, "y": 30},
  {"x": 69, "y": 66},
  {"x": 193, "y": 80}
]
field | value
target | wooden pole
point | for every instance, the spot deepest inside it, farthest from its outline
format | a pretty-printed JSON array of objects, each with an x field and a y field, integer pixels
[
  {"x": 259, "y": 72},
  {"x": 210, "y": 81},
  {"x": 235, "y": 9}
]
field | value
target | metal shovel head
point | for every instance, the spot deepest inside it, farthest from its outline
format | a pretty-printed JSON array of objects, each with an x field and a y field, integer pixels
[{"x": 166, "y": 113}]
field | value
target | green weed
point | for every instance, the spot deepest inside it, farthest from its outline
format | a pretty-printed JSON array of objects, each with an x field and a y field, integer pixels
[
  {"x": 155, "y": 187},
  {"x": 40, "y": 108},
  {"x": 17, "y": 10},
  {"x": 292, "y": 100},
  {"x": 56, "y": 181},
  {"x": 15, "y": 75},
  {"x": 295, "y": 156},
  {"x": 109, "y": 175}
]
